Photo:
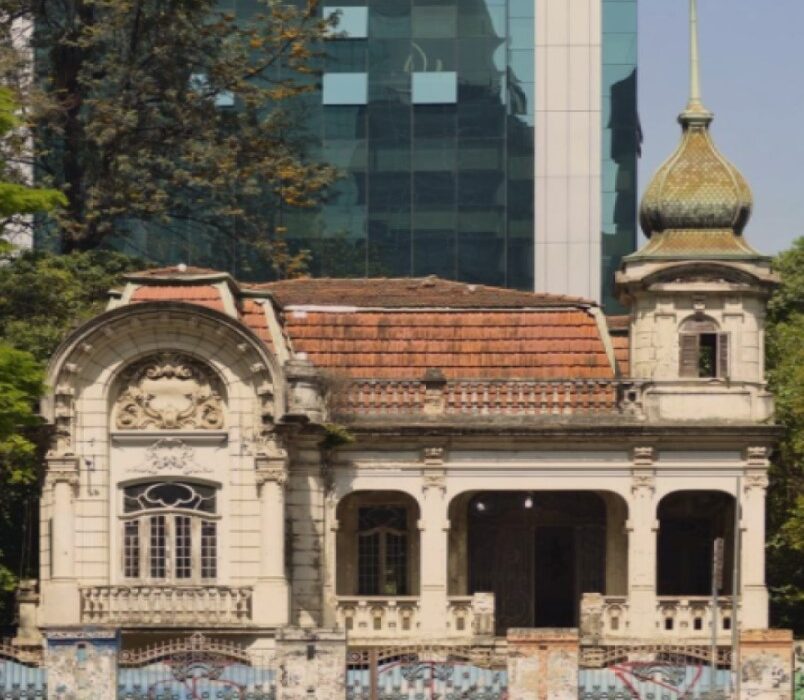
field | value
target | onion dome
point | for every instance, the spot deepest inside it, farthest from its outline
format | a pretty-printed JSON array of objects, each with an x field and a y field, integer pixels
[{"x": 698, "y": 203}]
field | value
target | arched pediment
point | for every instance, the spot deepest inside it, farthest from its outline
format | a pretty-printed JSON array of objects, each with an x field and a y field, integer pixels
[{"x": 162, "y": 366}]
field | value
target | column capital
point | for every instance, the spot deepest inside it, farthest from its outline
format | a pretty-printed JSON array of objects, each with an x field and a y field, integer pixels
[
  {"x": 643, "y": 482},
  {"x": 62, "y": 468},
  {"x": 271, "y": 462},
  {"x": 755, "y": 481}
]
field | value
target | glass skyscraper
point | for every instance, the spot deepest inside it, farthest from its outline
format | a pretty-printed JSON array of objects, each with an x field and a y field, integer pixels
[{"x": 488, "y": 141}]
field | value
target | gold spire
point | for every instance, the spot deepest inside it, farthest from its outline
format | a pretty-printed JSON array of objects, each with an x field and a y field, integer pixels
[{"x": 697, "y": 202}]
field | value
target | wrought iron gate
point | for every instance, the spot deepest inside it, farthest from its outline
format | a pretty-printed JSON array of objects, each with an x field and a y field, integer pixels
[
  {"x": 654, "y": 673},
  {"x": 22, "y": 675},
  {"x": 194, "y": 668},
  {"x": 426, "y": 673}
]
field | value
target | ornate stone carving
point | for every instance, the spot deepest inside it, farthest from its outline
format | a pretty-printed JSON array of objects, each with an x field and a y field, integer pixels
[
  {"x": 62, "y": 469},
  {"x": 271, "y": 462},
  {"x": 433, "y": 456},
  {"x": 757, "y": 456},
  {"x": 434, "y": 479},
  {"x": 643, "y": 482},
  {"x": 170, "y": 455},
  {"x": 169, "y": 391},
  {"x": 755, "y": 481},
  {"x": 643, "y": 456}
]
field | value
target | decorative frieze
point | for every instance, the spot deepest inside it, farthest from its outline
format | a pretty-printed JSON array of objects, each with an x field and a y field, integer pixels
[
  {"x": 170, "y": 456},
  {"x": 169, "y": 391}
]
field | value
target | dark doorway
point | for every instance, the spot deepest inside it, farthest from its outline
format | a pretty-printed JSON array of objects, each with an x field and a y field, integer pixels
[
  {"x": 537, "y": 552},
  {"x": 689, "y": 522},
  {"x": 554, "y": 569}
]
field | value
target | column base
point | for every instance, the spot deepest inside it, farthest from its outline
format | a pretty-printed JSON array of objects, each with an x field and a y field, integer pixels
[
  {"x": 642, "y": 612},
  {"x": 270, "y": 605},
  {"x": 61, "y": 603}
]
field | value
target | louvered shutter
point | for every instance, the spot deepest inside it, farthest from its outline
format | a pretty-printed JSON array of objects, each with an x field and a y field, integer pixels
[
  {"x": 723, "y": 355},
  {"x": 689, "y": 345}
]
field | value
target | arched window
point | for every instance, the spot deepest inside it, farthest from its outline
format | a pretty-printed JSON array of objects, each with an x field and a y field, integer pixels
[
  {"x": 703, "y": 350},
  {"x": 382, "y": 550},
  {"x": 170, "y": 532}
]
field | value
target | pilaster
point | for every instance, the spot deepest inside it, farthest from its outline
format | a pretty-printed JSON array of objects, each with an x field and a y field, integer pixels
[
  {"x": 434, "y": 527},
  {"x": 642, "y": 528},
  {"x": 754, "y": 609},
  {"x": 271, "y": 605}
]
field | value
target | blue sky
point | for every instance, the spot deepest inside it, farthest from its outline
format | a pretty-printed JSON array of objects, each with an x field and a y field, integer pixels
[{"x": 752, "y": 74}]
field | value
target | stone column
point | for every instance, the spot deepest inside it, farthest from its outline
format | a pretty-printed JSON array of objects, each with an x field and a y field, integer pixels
[
  {"x": 434, "y": 527},
  {"x": 60, "y": 596},
  {"x": 766, "y": 664},
  {"x": 542, "y": 664},
  {"x": 331, "y": 526},
  {"x": 754, "y": 594},
  {"x": 311, "y": 664},
  {"x": 81, "y": 663},
  {"x": 271, "y": 604},
  {"x": 642, "y": 528}
]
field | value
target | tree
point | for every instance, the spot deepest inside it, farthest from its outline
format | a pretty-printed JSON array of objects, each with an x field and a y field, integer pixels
[
  {"x": 786, "y": 492},
  {"x": 17, "y": 197},
  {"x": 42, "y": 297},
  {"x": 170, "y": 114}
]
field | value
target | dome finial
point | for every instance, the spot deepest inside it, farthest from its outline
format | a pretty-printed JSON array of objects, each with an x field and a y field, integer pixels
[{"x": 695, "y": 112}]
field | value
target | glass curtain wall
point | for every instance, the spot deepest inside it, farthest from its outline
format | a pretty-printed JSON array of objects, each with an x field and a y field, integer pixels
[
  {"x": 428, "y": 112},
  {"x": 621, "y": 139}
]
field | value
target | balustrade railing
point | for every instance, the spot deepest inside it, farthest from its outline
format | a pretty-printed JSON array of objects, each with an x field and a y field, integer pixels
[
  {"x": 370, "y": 618},
  {"x": 462, "y": 397},
  {"x": 679, "y": 618},
  {"x": 170, "y": 606}
]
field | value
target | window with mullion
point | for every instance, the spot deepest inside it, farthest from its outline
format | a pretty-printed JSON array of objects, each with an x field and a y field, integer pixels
[{"x": 382, "y": 551}]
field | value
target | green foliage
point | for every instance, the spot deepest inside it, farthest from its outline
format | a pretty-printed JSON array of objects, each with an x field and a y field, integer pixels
[
  {"x": 43, "y": 296},
  {"x": 785, "y": 348},
  {"x": 130, "y": 124},
  {"x": 21, "y": 384},
  {"x": 335, "y": 436},
  {"x": 16, "y": 197}
]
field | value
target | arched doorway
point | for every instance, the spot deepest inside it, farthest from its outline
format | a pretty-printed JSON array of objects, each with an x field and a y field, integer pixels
[
  {"x": 689, "y": 524},
  {"x": 538, "y": 552}
]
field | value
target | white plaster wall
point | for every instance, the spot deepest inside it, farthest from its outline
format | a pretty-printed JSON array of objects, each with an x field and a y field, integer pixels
[{"x": 568, "y": 59}]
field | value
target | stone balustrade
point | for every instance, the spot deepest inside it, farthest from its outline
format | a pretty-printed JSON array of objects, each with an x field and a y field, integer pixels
[
  {"x": 467, "y": 398},
  {"x": 372, "y": 618},
  {"x": 678, "y": 619},
  {"x": 170, "y": 606}
]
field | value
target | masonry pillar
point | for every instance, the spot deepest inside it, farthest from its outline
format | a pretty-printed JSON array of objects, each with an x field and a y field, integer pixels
[
  {"x": 434, "y": 527},
  {"x": 311, "y": 664},
  {"x": 271, "y": 604},
  {"x": 766, "y": 664},
  {"x": 331, "y": 526},
  {"x": 81, "y": 663},
  {"x": 642, "y": 528},
  {"x": 543, "y": 664},
  {"x": 60, "y": 594},
  {"x": 754, "y": 608},
  {"x": 616, "y": 545}
]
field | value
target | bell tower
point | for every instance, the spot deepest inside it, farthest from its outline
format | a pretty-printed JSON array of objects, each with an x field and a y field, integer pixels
[{"x": 697, "y": 291}]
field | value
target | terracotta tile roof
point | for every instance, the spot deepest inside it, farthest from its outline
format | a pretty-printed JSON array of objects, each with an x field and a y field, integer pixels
[
  {"x": 425, "y": 292},
  {"x": 464, "y": 345},
  {"x": 203, "y": 294},
  {"x": 253, "y": 315}
]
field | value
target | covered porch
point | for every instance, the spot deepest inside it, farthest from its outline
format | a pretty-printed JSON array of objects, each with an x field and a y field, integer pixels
[{"x": 498, "y": 560}]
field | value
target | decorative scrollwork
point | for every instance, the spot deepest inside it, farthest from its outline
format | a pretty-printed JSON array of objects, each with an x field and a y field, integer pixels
[{"x": 169, "y": 391}]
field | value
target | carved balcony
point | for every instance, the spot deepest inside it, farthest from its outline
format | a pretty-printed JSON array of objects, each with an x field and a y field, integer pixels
[{"x": 166, "y": 606}]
